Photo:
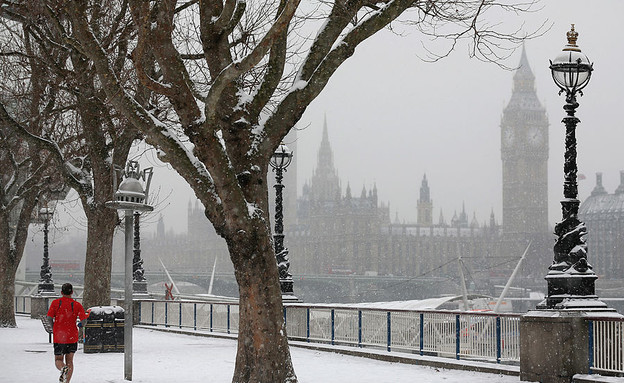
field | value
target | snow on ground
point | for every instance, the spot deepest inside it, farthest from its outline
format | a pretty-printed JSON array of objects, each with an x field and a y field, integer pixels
[{"x": 170, "y": 358}]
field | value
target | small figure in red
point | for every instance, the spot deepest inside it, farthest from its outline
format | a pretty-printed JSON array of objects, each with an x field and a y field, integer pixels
[{"x": 63, "y": 312}]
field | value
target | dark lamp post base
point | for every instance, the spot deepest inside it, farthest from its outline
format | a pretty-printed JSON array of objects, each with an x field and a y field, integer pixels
[
  {"x": 45, "y": 288},
  {"x": 572, "y": 291},
  {"x": 139, "y": 287},
  {"x": 286, "y": 285},
  {"x": 288, "y": 295}
]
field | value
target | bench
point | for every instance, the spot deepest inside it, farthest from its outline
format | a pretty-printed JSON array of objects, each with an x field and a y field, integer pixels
[{"x": 47, "y": 325}]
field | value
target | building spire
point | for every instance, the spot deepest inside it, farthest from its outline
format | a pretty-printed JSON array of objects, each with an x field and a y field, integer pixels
[
  {"x": 524, "y": 79},
  {"x": 425, "y": 195},
  {"x": 325, "y": 183},
  {"x": 424, "y": 204},
  {"x": 325, "y": 156},
  {"x": 475, "y": 223}
]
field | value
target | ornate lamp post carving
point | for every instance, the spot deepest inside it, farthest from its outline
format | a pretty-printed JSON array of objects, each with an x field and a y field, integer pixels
[
  {"x": 139, "y": 283},
  {"x": 130, "y": 197},
  {"x": 46, "y": 284},
  {"x": 279, "y": 162},
  {"x": 571, "y": 280}
]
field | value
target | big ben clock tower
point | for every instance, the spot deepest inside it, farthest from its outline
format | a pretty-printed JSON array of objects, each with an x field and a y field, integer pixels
[{"x": 524, "y": 151}]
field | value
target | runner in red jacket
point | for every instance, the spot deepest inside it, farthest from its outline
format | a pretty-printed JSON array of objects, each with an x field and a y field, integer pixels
[{"x": 64, "y": 312}]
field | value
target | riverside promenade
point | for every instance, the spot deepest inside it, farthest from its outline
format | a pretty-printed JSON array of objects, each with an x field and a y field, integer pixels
[{"x": 167, "y": 356}]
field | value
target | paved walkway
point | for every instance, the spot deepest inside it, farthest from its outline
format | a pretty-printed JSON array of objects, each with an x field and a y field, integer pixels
[{"x": 161, "y": 357}]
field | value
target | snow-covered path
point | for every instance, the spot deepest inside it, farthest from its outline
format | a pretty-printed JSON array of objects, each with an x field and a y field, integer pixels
[{"x": 167, "y": 358}]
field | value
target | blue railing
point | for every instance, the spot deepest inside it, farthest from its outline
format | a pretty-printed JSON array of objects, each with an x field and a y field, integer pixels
[{"x": 459, "y": 335}]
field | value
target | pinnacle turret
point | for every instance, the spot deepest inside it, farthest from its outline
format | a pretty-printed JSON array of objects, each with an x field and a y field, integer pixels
[{"x": 598, "y": 189}]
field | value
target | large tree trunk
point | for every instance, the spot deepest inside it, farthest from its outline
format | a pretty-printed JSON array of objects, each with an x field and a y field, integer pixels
[
  {"x": 263, "y": 355},
  {"x": 8, "y": 267},
  {"x": 98, "y": 262}
]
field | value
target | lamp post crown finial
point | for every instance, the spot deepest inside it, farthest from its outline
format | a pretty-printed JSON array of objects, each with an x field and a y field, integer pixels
[{"x": 572, "y": 37}]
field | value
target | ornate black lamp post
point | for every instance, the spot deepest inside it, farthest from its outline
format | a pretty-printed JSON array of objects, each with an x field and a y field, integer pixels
[
  {"x": 46, "y": 284},
  {"x": 571, "y": 280},
  {"x": 131, "y": 197},
  {"x": 279, "y": 162},
  {"x": 139, "y": 283}
]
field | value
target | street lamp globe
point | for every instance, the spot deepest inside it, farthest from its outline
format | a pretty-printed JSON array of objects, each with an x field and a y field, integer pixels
[
  {"x": 571, "y": 69},
  {"x": 282, "y": 157},
  {"x": 46, "y": 213},
  {"x": 130, "y": 190}
]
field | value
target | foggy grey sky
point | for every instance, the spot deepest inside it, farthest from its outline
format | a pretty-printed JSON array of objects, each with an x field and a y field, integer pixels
[{"x": 393, "y": 117}]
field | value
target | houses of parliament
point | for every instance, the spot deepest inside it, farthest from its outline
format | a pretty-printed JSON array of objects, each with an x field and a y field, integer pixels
[{"x": 331, "y": 231}]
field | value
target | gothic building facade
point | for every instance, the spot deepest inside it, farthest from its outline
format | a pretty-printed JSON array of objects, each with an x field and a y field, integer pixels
[{"x": 337, "y": 232}]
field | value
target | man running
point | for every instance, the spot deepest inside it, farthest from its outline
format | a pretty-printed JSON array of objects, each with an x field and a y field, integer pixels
[{"x": 64, "y": 311}]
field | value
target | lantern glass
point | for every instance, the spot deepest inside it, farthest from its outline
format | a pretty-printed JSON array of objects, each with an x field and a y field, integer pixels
[
  {"x": 281, "y": 157},
  {"x": 571, "y": 70},
  {"x": 46, "y": 213}
]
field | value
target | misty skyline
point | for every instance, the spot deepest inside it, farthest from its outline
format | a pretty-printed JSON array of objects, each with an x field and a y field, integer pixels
[{"x": 393, "y": 117}]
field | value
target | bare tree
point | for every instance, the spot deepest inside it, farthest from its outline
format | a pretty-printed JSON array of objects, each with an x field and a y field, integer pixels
[
  {"x": 26, "y": 174},
  {"x": 229, "y": 79},
  {"x": 87, "y": 138}
]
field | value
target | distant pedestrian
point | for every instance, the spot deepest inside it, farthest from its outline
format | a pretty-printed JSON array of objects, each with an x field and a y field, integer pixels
[{"x": 63, "y": 312}]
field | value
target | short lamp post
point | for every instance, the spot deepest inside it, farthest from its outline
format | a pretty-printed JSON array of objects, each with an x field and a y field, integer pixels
[
  {"x": 130, "y": 197},
  {"x": 571, "y": 279},
  {"x": 280, "y": 160},
  {"x": 46, "y": 284}
]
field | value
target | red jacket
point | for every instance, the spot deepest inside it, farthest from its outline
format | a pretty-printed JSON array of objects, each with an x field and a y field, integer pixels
[{"x": 65, "y": 310}]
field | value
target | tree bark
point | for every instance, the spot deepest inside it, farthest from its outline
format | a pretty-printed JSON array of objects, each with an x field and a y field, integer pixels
[
  {"x": 8, "y": 268},
  {"x": 98, "y": 260},
  {"x": 262, "y": 338}
]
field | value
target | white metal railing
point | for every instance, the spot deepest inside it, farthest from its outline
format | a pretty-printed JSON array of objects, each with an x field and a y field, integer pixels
[
  {"x": 22, "y": 304},
  {"x": 606, "y": 345},
  {"x": 466, "y": 335}
]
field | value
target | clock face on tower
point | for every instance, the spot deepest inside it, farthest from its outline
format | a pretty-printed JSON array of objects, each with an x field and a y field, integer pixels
[{"x": 535, "y": 136}]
